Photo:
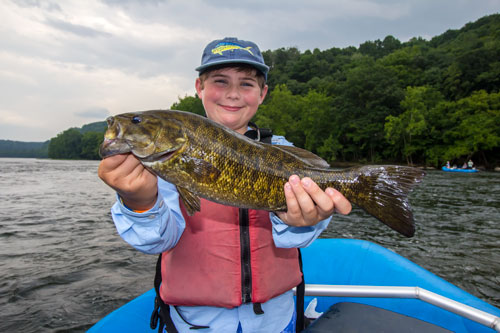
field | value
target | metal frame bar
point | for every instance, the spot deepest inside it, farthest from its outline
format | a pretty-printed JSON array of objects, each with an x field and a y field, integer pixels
[{"x": 442, "y": 302}]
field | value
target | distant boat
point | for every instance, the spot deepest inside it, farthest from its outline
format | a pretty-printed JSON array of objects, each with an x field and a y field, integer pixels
[{"x": 458, "y": 170}]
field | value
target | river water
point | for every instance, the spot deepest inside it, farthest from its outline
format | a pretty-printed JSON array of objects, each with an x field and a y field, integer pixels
[{"x": 64, "y": 266}]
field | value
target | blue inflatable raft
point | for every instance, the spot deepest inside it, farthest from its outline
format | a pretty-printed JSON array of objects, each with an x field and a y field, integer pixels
[
  {"x": 354, "y": 274},
  {"x": 459, "y": 170}
]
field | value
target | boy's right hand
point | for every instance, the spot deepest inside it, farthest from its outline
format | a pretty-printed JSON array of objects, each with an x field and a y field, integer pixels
[{"x": 137, "y": 187}]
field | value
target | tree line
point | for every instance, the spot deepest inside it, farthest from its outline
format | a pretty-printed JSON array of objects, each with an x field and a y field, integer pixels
[
  {"x": 78, "y": 143},
  {"x": 9, "y": 148},
  {"x": 417, "y": 102}
]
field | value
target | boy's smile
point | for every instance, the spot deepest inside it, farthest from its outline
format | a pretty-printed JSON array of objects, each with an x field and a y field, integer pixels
[{"x": 231, "y": 97}]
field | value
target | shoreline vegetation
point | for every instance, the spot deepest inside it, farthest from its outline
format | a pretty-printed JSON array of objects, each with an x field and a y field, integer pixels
[{"x": 419, "y": 103}]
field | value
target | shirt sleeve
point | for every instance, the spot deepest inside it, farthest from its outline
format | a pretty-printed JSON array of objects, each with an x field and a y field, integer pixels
[
  {"x": 286, "y": 236},
  {"x": 156, "y": 230}
]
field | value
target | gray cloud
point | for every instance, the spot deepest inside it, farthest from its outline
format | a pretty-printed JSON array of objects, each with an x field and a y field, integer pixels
[
  {"x": 46, "y": 5},
  {"x": 94, "y": 113},
  {"x": 26, "y": 133},
  {"x": 126, "y": 3},
  {"x": 76, "y": 29}
]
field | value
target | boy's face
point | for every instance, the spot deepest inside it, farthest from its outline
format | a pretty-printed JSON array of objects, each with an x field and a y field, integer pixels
[{"x": 231, "y": 97}]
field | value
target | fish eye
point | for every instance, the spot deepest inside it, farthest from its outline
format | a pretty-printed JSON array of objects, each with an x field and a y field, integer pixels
[{"x": 136, "y": 119}]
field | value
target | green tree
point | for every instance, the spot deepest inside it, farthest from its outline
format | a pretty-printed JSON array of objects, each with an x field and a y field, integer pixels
[
  {"x": 476, "y": 126},
  {"x": 90, "y": 145},
  {"x": 281, "y": 113},
  {"x": 370, "y": 93},
  {"x": 315, "y": 120},
  {"x": 408, "y": 131},
  {"x": 378, "y": 48},
  {"x": 66, "y": 145},
  {"x": 189, "y": 103}
]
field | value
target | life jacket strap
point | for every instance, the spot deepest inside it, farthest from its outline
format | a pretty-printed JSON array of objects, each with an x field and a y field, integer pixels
[
  {"x": 299, "y": 303},
  {"x": 259, "y": 134},
  {"x": 257, "y": 309},
  {"x": 161, "y": 311}
]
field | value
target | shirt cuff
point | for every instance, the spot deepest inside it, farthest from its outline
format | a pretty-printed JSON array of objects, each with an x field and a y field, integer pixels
[
  {"x": 278, "y": 225},
  {"x": 158, "y": 208}
]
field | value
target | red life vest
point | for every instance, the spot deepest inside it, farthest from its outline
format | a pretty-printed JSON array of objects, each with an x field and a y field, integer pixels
[{"x": 205, "y": 267}]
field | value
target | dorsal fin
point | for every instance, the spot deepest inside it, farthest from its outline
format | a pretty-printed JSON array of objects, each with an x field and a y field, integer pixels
[{"x": 305, "y": 156}]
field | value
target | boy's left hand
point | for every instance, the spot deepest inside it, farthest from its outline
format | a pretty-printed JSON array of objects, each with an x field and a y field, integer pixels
[{"x": 308, "y": 204}]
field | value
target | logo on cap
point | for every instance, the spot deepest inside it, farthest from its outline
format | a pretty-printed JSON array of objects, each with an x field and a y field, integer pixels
[{"x": 222, "y": 47}]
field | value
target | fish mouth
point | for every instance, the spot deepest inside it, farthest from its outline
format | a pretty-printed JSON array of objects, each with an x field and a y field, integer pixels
[
  {"x": 111, "y": 147},
  {"x": 159, "y": 157}
]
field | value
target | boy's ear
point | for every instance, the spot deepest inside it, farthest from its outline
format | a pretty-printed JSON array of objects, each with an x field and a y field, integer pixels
[
  {"x": 199, "y": 86},
  {"x": 263, "y": 93}
]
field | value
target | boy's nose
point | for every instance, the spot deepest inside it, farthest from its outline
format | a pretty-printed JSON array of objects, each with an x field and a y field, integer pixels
[{"x": 233, "y": 92}]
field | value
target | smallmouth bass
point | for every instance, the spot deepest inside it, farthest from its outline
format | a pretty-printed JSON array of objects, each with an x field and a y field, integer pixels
[{"x": 205, "y": 159}]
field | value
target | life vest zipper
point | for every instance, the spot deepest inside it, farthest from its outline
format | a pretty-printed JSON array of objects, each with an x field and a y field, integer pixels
[
  {"x": 263, "y": 135},
  {"x": 246, "y": 270}
]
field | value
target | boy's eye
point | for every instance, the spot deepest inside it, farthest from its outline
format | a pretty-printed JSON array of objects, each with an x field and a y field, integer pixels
[
  {"x": 220, "y": 81},
  {"x": 247, "y": 84}
]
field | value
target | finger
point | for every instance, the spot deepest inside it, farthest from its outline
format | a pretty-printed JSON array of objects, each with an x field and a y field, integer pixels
[
  {"x": 110, "y": 163},
  {"x": 144, "y": 173},
  {"x": 307, "y": 206},
  {"x": 324, "y": 203},
  {"x": 118, "y": 166},
  {"x": 131, "y": 164},
  {"x": 293, "y": 209},
  {"x": 342, "y": 205},
  {"x": 129, "y": 171},
  {"x": 132, "y": 167}
]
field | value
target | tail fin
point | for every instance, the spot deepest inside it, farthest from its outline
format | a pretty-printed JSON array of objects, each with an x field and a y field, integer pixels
[{"x": 382, "y": 192}]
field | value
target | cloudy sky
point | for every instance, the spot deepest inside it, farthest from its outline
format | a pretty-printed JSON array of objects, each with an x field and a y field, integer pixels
[{"x": 68, "y": 63}]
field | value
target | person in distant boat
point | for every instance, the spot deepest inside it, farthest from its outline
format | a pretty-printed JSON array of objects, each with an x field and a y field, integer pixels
[
  {"x": 470, "y": 164},
  {"x": 448, "y": 164},
  {"x": 464, "y": 166},
  {"x": 222, "y": 269}
]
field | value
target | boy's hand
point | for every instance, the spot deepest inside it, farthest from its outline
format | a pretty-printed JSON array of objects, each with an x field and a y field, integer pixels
[
  {"x": 137, "y": 187},
  {"x": 308, "y": 204}
]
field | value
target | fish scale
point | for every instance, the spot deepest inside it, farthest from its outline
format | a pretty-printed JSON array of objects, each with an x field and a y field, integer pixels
[{"x": 205, "y": 159}]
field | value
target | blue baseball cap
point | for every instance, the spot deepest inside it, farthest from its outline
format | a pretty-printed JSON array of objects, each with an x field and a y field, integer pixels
[{"x": 231, "y": 50}]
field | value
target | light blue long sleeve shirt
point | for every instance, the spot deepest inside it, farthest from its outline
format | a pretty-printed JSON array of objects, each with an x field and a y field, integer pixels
[{"x": 160, "y": 228}]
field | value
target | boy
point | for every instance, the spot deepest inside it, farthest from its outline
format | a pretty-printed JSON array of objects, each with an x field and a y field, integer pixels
[{"x": 224, "y": 268}]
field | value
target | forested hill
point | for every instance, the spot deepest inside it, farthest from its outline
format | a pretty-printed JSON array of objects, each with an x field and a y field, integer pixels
[
  {"x": 10, "y": 148},
  {"x": 418, "y": 102},
  {"x": 421, "y": 101},
  {"x": 72, "y": 143}
]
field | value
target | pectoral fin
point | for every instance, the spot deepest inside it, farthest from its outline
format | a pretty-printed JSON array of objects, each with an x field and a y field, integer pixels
[
  {"x": 190, "y": 201},
  {"x": 202, "y": 171}
]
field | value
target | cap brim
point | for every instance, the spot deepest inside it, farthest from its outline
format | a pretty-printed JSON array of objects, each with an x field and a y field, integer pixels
[{"x": 263, "y": 68}]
